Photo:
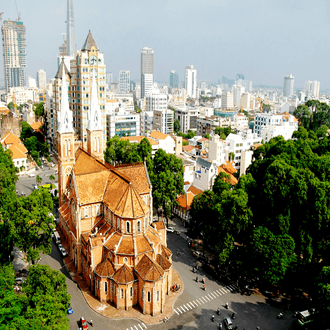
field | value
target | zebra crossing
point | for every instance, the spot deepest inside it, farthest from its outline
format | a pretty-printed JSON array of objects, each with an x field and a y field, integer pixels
[
  {"x": 205, "y": 299},
  {"x": 139, "y": 326}
]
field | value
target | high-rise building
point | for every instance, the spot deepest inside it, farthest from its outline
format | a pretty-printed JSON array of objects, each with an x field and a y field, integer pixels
[
  {"x": 124, "y": 81},
  {"x": 14, "y": 53},
  {"x": 312, "y": 88},
  {"x": 147, "y": 70},
  {"x": 237, "y": 93},
  {"x": 70, "y": 38},
  {"x": 227, "y": 101},
  {"x": 174, "y": 79},
  {"x": 240, "y": 76},
  {"x": 191, "y": 81},
  {"x": 41, "y": 79},
  {"x": 288, "y": 88},
  {"x": 87, "y": 62}
]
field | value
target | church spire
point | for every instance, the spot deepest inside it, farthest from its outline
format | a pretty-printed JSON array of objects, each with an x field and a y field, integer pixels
[
  {"x": 95, "y": 116},
  {"x": 65, "y": 115}
]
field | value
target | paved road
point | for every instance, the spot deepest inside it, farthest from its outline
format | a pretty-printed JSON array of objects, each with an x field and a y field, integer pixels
[
  {"x": 25, "y": 183},
  {"x": 194, "y": 307}
]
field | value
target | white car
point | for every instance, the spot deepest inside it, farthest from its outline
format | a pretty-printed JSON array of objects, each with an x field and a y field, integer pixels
[{"x": 32, "y": 175}]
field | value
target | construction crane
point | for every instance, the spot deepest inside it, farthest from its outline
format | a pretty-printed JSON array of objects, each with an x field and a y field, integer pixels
[
  {"x": 261, "y": 102},
  {"x": 18, "y": 13}
]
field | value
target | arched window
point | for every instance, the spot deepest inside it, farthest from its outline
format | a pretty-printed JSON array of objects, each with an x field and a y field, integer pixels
[
  {"x": 131, "y": 291},
  {"x": 122, "y": 293},
  {"x": 106, "y": 287},
  {"x": 149, "y": 296},
  {"x": 69, "y": 147},
  {"x": 128, "y": 226},
  {"x": 139, "y": 225}
]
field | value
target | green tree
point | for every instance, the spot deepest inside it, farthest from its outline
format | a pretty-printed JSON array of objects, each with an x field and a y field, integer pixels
[
  {"x": 38, "y": 180},
  {"x": 177, "y": 126},
  {"x": 52, "y": 179},
  {"x": 38, "y": 109},
  {"x": 11, "y": 106},
  {"x": 323, "y": 293},
  {"x": 26, "y": 131},
  {"x": 167, "y": 180}
]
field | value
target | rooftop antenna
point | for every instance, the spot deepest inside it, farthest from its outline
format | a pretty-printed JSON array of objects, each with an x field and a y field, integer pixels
[{"x": 18, "y": 14}]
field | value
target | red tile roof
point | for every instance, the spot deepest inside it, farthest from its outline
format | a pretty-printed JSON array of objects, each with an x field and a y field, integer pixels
[{"x": 149, "y": 270}]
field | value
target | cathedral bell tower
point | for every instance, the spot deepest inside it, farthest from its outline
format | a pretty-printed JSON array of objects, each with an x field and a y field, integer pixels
[
  {"x": 65, "y": 139},
  {"x": 94, "y": 128}
]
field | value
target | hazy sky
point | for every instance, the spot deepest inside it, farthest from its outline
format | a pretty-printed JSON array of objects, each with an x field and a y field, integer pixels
[{"x": 263, "y": 39}]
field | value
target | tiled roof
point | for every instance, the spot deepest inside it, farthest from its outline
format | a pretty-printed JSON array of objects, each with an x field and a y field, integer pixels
[
  {"x": 10, "y": 138},
  {"x": 228, "y": 166},
  {"x": 188, "y": 148},
  {"x": 4, "y": 111},
  {"x": 60, "y": 71},
  {"x": 89, "y": 42},
  {"x": 122, "y": 198},
  {"x": 91, "y": 186},
  {"x": 149, "y": 270},
  {"x": 126, "y": 245},
  {"x": 105, "y": 269},
  {"x": 124, "y": 275},
  {"x": 36, "y": 125},
  {"x": 165, "y": 252},
  {"x": 185, "y": 200},
  {"x": 203, "y": 140},
  {"x": 163, "y": 262},
  {"x": 230, "y": 170},
  {"x": 158, "y": 225},
  {"x": 16, "y": 152},
  {"x": 195, "y": 190},
  {"x": 158, "y": 135},
  {"x": 21, "y": 147},
  {"x": 86, "y": 164},
  {"x": 142, "y": 244},
  {"x": 153, "y": 236},
  {"x": 138, "y": 175},
  {"x": 113, "y": 241}
]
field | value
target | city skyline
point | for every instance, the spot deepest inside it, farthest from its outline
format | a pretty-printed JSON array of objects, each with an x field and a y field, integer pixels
[{"x": 264, "y": 42}]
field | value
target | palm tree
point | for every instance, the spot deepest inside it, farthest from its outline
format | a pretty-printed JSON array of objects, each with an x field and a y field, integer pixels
[
  {"x": 52, "y": 178},
  {"x": 38, "y": 180}
]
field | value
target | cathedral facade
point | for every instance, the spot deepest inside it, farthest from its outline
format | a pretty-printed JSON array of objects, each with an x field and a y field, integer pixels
[{"x": 106, "y": 217}]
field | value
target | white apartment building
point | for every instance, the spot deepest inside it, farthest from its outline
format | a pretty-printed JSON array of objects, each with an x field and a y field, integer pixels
[
  {"x": 147, "y": 121},
  {"x": 312, "y": 89},
  {"x": 246, "y": 101},
  {"x": 238, "y": 90},
  {"x": 41, "y": 79},
  {"x": 156, "y": 100},
  {"x": 217, "y": 149},
  {"x": 147, "y": 70},
  {"x": 288, "y": 89},
  {"x": 163, "y": 121},
  {"x": 123, "y": 125},
  {"x": 191, "y": 81},
  {"x": 21, "y": 95},
  {"x": 206, "y": 112},
  {"x": 262, "y": 120},
  {"x": 147, "y": 83},
  {"x": 227, "y": 101},
  {"x": 32, "y": 83},
  {"x": 187, "y": 118},
  {"x": 124, "y": 81},
  {"x": 240, "y": 122},
  {"x": 165, "y": 141},
  {"x": 217, "y": 103},
  {"x": 286, "y": 129},
  {"x": 207, "y": 125},
  {"x": 205, "y": 174}
]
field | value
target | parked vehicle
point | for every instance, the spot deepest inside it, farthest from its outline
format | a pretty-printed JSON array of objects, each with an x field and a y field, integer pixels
[
  {"x": 69, "y": 309},
  {"x": 56, "y": 237},
  {"x": 304, "y": 317},
  {"x": 170, "y": 229},
  {"x": 32, "y": 175},
  {"x": 19, "y": 280},
  {"x": 64, "y": 252}
]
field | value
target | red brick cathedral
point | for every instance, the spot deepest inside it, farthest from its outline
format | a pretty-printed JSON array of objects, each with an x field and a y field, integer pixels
[{"x": 106, "y": 217}]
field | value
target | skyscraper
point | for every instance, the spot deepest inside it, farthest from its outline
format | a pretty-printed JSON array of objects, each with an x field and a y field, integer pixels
[
  {"x": 288, "y": 88},
  {"x": 70, "y": 39},
  {"x": 14, "y": 53},
  {"x": 41, "y": 79},
  {"x": 312, "y": 88},
  {"x": 174, "y": 79},
  {"x": 124, "y": 81},
  {"x": 147, "y": 70},
  {"x": 191, "y": 81}
]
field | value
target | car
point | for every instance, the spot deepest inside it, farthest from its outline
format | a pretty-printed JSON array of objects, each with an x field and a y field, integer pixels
[
  {"x": 63, "y": 252},
  {"x": 32, "y": 175},
  {"x": 19, "y": 280},
  {"x": 228, "y": 323},
  {"x": 60, "y": 246},
  {"x": 83, "y": 323},
  {"x": 69, "y": 309},
  {"x": 53, "y": 165},
  {"x": 170, "y": 229},
  {"x": 35, "y": 187}
]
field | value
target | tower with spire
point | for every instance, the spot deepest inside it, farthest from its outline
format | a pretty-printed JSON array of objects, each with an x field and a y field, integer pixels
[
  {"x": 70, "y": 42},
  {"x": 65, "y": 135},
  {"x": 94, "y": 127}
]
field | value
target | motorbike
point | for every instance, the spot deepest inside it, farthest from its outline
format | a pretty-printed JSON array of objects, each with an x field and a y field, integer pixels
[
  {"x": 196, "y": 278},
  {"x": 233, "y": 316},
  {"x": 220, "y": 325},
  {"x": 218, "y": 311},
  {"x": 226, "y": 305},
  {"x": 212, "y": 318},
  {"x": 280, "y": 315}
]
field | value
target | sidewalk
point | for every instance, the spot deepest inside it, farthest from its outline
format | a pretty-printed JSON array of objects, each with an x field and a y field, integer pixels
[{"x": 110, "y": 311}]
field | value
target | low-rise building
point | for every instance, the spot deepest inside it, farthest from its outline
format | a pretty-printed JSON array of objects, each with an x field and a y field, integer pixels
[
  {"x": 123, "y": 125},
  {"x": 187, "y": 118},
  {"x": 163, "y": 121}
]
